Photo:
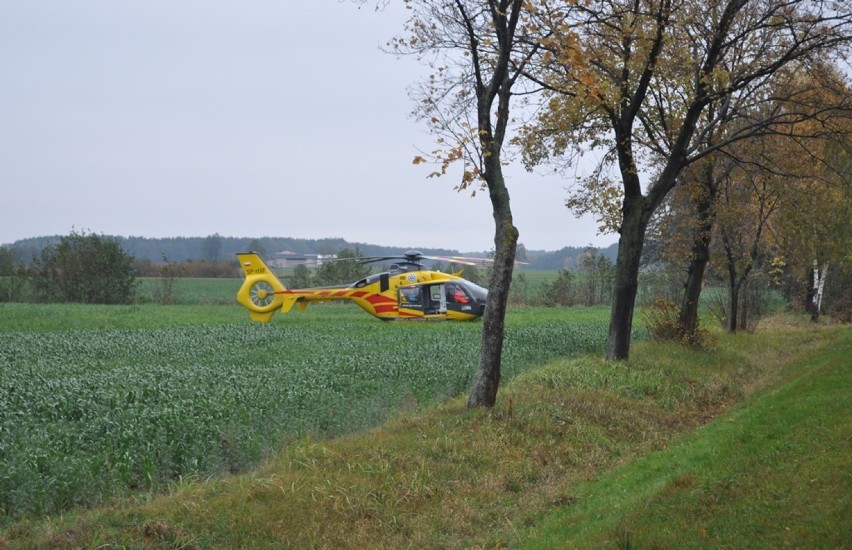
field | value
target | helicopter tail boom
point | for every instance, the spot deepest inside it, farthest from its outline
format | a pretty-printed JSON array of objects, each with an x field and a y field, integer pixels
[{"x": 261, "y": 292}]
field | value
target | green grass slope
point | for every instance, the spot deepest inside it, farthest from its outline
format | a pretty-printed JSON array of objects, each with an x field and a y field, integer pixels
[
  {"x": 774, "y": 472},
  {"x": 744, "y": 446}
]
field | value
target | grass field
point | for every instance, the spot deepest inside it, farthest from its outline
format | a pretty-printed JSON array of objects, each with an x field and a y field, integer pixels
[
  {"x": 192, "y": 291},
  {"x": 105, "y": 401},
  {"x": 745, "y": 446},
  {"x": 188, "y": 426}
]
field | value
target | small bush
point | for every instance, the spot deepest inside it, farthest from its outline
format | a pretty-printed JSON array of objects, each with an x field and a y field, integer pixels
[
  {"x": 662, "y": 320},
  {"x": 169, "y": 272}
]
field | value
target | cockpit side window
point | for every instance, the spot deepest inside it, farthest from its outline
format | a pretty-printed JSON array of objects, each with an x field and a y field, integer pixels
[{"x": 457, "y": 294}]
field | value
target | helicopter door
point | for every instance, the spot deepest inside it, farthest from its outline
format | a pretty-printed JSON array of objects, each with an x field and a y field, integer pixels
[{"x": 437, "y": 300}]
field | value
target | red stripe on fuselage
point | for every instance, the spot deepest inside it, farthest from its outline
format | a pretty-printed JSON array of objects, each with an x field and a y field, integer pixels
[{"x": 380, "y": 299}]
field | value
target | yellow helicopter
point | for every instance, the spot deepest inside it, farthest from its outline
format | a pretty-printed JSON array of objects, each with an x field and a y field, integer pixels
[{"x": 406, "y": 291}]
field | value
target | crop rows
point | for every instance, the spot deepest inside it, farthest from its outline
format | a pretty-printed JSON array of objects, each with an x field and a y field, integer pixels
[{"x": 90, "y": 414}]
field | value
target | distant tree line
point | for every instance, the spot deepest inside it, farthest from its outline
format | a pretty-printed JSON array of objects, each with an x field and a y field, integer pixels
[
  {"x": 216, "y": 248},
  {"x": 91, "y": 268},
  {"x": 88, "y": 268}
]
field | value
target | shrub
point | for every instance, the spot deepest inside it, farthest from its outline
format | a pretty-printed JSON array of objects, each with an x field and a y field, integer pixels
[
  {"x": 562, "y": 292},
  {"x": 662, "y": 320},
  {"x": 83, "y": 268},
  {"x": 169, "y": 272}
]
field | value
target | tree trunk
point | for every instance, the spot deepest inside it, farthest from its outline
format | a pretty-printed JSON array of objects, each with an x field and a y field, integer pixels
[
  {"x": 630, "y": 243},
  {"x": 817, "y": 290},
  {"x": 733, "y": 305},
  {"x": 703, "y": 203},
  {"x": 688, "y": 318},
  {"x": 733, "y": 283},
  {"x": 486, "y": 381},
  {"x": 744, "y": 296},
  {"x": 808, "y": 302}
]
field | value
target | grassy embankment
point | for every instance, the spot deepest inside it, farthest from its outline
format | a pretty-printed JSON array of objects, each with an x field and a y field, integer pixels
[
  {"x": 774, "y": 472},
  {"x": 579, "y": 450}
]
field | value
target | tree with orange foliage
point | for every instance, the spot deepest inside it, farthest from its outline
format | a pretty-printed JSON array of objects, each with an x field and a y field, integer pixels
[{"x": 651, "y": 71}]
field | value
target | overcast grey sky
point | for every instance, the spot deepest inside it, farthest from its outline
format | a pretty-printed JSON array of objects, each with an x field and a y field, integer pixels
[{"x": 165, "y": 118}]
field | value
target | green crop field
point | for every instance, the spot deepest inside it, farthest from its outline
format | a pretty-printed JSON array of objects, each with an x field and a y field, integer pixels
[
  {"x": 104, "y": 401},
  {"x": 189, "y": 290}
]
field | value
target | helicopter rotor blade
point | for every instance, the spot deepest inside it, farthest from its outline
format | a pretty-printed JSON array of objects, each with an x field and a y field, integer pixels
[
  {"x": 411, "y": 256},
  {"x": 380, "y": 259},
  {"x": 469, "y": 260},
  {"x": 453, "y": 259},
  {"x": 417, "y": 257}
]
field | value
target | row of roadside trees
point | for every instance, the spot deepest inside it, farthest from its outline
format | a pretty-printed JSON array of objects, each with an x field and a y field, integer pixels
[{"x": 668, "y": 92}]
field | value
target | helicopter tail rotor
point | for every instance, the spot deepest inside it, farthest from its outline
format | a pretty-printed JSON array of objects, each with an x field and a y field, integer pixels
[{"x": 261, "y": 292}]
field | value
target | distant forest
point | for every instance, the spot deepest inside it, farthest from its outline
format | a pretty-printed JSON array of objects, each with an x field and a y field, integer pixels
[{"x": 218, "y": 248}]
